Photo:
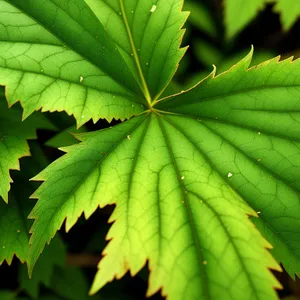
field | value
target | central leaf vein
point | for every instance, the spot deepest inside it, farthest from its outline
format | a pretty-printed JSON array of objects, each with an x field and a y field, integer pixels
[
  {"x": 187, "y": 205},
  {"x": 135, "y": 55}
]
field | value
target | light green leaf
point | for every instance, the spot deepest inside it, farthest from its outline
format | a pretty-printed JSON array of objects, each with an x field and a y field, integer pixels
[
  {"x": 238, "y": 13},
  {"x": 53, "y": 255},
  {"x": 255, "y": 116},
  {"x": 173, "y": 208},
  {"x": 13, "y": 140},
  {"x": 289, "y": 12},
  {"x": 148, "y": 36},
  {"x": 56, "y": 55}
]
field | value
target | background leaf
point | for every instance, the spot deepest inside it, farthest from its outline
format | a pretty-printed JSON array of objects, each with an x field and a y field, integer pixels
[
  {"x": 289, "y": 12},
  {"x": 238, "y": 13},
  {"x": 65, "y": 137},
  {"x": 13, "y": 140},
  {"x": 53, "y": 255},
  {"x": 201, "y": 17},
  {"x": 70, "y": 283}
]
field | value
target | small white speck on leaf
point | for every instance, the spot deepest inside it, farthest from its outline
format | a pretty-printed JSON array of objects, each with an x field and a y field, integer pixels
[
  {"x": 205, "y": 262},
  {"x": 147, "y": 64},
  {"x": 128, "y": 136},
  {"x": 153, "y": 8},
  {"x": 80, "y": 78},
  {"x": 132, "y": 105},
  {"x": 3, "y": 247},
  {"x": 18, "y": 230},
  {"x": 229, "y": 175},
  {"x": 82, "y": 117},
  {"x": 258, "y": 212},
  {"x": 259, "y": 159},
  {"x": 258, "y": 133},
  {"x": 182, "y": 177}
]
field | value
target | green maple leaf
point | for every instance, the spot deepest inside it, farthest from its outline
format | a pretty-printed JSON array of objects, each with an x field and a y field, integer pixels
[
  {"x": 186, "y": 172},
  {"x": 184, "y": 176},
  {"x": 13, "y": 140}
]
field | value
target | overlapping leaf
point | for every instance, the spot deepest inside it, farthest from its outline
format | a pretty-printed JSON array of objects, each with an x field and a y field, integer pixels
[
  {"x": 65, "y": 137},
  {"x": 13, "y": 140}
]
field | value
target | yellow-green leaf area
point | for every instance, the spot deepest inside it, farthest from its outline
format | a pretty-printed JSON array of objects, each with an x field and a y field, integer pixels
[{"x": 173, "y": 209}]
